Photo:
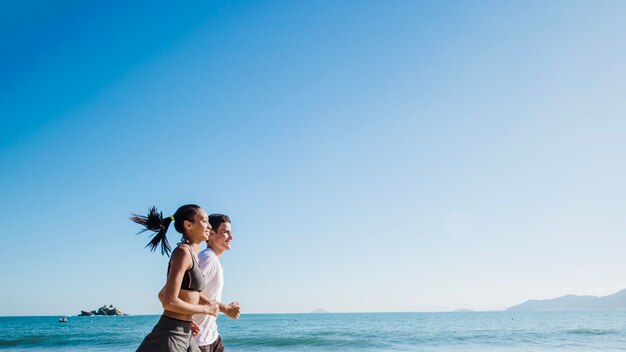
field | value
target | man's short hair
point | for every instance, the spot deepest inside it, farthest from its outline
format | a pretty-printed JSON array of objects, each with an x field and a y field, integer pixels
[{"x": 217, "y": 219}]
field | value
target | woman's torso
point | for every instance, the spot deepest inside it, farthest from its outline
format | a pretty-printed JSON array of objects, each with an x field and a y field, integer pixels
[{"x": 192, "y": 284}]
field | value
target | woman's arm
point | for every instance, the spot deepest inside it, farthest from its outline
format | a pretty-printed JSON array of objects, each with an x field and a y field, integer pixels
[{"x": 180, "y": 262}]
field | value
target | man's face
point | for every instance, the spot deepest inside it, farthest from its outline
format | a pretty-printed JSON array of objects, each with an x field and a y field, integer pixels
[{"x": 221, "y": 237}]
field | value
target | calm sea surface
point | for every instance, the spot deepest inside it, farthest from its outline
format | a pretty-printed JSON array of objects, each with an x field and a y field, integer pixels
[{"x": 494, "y": 331}]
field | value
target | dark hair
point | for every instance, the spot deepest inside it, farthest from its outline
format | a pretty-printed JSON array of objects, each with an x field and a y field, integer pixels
[
  {"x": 158, "y": 225},
  {"x": 217, "y": 219}
]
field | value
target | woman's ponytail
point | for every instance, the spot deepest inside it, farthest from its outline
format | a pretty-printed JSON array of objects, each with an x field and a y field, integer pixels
[{"x": 155, "y": 223}]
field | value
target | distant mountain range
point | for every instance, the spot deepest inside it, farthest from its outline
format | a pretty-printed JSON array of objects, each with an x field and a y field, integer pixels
[{"x": 616, "y": 301}]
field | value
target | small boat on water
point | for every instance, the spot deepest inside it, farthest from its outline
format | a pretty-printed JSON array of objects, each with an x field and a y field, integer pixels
[{"x": 63, "y": 319}]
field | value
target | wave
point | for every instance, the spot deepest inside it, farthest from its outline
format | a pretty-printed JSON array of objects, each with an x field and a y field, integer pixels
[
  {"x": 68, "y": 340},
  {"x": 27, "y": 340},
  {"x": 591, "y": 332},
  {"x": 303, "y": 342}
]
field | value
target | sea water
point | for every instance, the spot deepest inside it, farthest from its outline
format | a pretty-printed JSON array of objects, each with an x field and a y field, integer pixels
[{"x": 467, "y": 331}]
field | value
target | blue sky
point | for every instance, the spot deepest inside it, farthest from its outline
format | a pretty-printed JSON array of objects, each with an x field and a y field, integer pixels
[{"x": 374, "y": 156}]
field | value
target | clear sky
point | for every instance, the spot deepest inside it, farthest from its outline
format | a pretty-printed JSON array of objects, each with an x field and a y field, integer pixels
[{"x": 373, "y": 155}]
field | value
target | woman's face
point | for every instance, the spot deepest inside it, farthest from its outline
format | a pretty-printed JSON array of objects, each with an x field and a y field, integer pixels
[{"x": 198, "y": 229}]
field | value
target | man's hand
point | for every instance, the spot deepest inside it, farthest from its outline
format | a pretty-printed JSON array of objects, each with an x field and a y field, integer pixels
[
  {"x": 232, "y": 310},
  {"x": 195, "y": 329}
]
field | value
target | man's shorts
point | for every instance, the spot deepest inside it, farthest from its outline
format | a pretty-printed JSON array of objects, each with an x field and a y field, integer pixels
[{"x": 216, "y": 346}]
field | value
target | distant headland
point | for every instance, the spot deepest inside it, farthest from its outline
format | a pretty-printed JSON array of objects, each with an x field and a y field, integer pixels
[
  {"x": 616, "y": 301},
  {"x": 104, "y": 310}
]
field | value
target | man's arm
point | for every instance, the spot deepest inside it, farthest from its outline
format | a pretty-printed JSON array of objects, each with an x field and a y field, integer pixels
[{"x": 231, "y": 309}]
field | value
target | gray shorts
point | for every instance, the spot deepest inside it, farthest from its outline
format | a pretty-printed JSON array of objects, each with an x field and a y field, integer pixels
[{"x": 169, "y": 335}]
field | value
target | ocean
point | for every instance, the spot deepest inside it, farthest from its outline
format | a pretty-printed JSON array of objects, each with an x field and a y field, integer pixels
[{"x": 466, "y": 331}]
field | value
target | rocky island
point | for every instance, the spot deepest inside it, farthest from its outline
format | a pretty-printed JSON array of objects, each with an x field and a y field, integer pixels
[{"x": 104, "y": 310}]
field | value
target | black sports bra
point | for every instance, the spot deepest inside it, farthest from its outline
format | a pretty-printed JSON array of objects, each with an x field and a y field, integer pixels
[{"x": 193, "y": 279}]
